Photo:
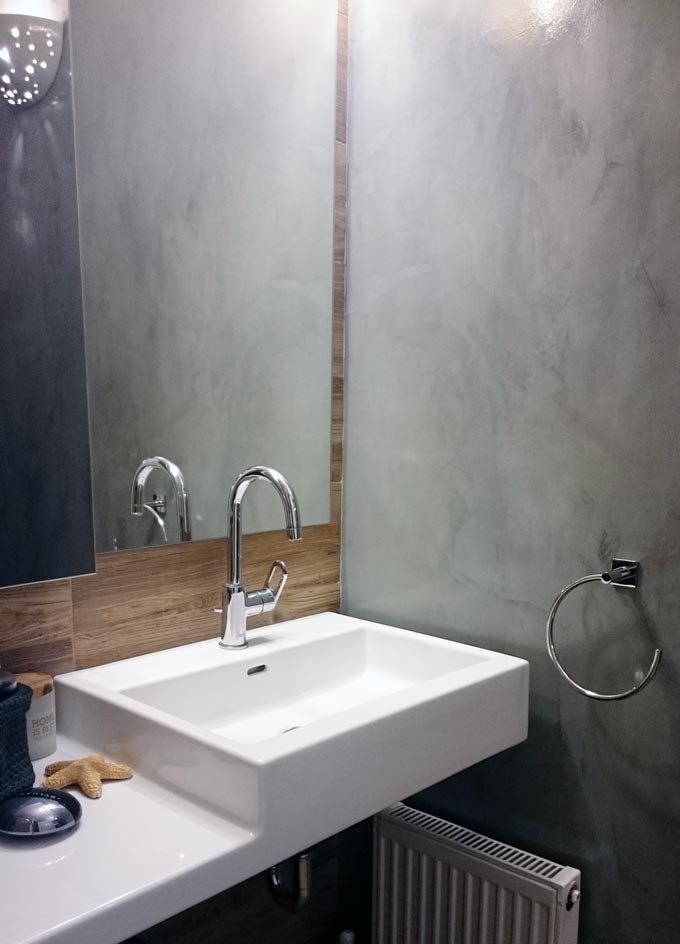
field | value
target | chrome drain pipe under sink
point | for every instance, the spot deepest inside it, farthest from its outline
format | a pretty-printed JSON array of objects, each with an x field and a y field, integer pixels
[{"x": 295, "y": 896}]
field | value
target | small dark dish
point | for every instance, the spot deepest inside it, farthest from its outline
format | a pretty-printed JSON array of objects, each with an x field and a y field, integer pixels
[{"x": 36, "y": 813}]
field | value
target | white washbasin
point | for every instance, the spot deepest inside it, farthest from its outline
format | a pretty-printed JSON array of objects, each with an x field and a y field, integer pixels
[
  {"x": 299, "y": 686},
  {"x": 319, "y": 723}
]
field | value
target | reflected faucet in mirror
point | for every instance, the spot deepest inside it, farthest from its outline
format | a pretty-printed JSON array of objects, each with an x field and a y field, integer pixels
[
  {"x": 239, "y": 603},
  {"x": 158, "y": 505}
]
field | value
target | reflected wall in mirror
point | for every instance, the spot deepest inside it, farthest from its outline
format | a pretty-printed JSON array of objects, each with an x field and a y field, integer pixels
[{"x": 205, "y": 154}]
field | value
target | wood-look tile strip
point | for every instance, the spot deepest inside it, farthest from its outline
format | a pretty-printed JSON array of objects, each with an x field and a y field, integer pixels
[
  {"x": 164, "y": 597},
  {"x": 339, "y": 264},
  {"x": 36, "y": 628}
]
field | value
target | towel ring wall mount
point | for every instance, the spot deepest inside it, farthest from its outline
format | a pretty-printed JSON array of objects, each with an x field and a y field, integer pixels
[{"x": 624, "y": 573}]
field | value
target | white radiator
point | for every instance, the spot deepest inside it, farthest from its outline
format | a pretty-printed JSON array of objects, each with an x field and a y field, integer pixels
[{"x": 438, "y": 883}]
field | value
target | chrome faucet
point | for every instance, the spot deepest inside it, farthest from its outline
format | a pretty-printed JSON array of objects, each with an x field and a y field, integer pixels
[
  {"x": 157, "y": 507},
  {"x": 239, "y": 603}
]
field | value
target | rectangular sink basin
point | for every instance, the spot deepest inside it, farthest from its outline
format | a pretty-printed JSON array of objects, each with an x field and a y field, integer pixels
[
  {"x": 297, "y": 686},
  {"x": 319, "y": 723}
]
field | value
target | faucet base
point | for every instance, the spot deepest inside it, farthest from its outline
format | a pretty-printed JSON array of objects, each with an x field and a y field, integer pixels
[{"x": 226, "y": 645}]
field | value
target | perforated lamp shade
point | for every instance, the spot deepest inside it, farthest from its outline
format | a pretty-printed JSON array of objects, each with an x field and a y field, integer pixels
[{"x": 30, "y": 51}]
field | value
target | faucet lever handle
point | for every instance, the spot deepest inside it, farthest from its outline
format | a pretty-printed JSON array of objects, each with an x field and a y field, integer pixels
[
  {"x": 276, "y": 591},
  {"x": 264, "y": 600}
]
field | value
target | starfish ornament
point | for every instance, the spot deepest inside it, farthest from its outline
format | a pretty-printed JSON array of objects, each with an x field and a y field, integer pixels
[{"x": 87, "y": 773}]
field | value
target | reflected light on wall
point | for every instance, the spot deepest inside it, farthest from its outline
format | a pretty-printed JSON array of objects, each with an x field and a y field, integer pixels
[
  {"x": 31, "y": 41},
  {"x": 551, "y": 13},
  {"x": 520, "y": 22},
  {"x": 546, "y": 9}
]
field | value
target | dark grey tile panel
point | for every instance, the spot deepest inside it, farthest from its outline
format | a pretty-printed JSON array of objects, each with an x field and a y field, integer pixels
[{"x": 45, "y": 503}]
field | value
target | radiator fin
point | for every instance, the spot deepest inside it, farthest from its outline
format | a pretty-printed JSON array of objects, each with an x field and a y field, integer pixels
[{"x": 439, "y": 883}]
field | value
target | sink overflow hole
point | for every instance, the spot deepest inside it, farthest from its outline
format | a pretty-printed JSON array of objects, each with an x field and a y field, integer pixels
[{"x": 254, "y": 669}]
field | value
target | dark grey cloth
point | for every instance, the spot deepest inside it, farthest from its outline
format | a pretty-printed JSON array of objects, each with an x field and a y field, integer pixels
[{"x": 16, "y": 770}]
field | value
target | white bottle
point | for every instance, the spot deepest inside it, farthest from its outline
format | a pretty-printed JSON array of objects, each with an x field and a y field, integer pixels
[{"x": 41, "y": 719}]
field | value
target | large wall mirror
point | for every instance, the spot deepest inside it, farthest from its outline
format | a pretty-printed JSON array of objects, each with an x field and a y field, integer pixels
[{"x": 205, "y": 168}]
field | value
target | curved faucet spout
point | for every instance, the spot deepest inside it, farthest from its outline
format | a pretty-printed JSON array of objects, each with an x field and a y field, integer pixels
[
  {"x": 239, "y": 603},
  {"x": 144, "y": 470},
  {"x": 291, "y": 510}
]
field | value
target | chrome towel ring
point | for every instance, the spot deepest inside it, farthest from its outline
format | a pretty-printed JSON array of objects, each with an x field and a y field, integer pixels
[{"x": 623, "y": 574}]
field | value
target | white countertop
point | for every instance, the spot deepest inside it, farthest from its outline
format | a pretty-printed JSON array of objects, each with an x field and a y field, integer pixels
[
  {"x": 142, "y": 853},
  {"x": 139, "y": 855}
]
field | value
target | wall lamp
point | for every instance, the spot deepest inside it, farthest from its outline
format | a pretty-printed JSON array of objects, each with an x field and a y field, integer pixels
[{"x": 31, "y": 42}]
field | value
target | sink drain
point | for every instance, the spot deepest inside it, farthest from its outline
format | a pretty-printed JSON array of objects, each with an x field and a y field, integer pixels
[{"x": 293, "y": 727}]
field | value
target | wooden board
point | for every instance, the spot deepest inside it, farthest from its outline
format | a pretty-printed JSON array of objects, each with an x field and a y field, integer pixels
[
  {"x": 144, "y": 601},
  {"x": 36, "y": 628}
]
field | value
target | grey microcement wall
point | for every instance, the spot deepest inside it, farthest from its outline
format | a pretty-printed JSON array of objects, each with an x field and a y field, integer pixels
[
  {"x": 205, "y": 150},
  {"x": 512, "y": 408},
  {"x": 45, "y": 495}
]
